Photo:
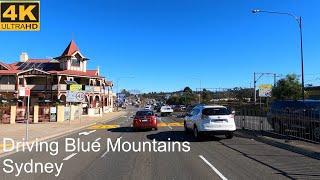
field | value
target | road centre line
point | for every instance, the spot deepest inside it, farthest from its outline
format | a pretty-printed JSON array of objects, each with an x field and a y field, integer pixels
[
  {"x": 70, "y": 156},
  {"x": 213, "y": 168}
]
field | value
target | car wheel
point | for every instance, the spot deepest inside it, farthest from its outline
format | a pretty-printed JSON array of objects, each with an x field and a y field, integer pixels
[
  {"x": 196, "y": 133},
  {"x": 186, "y": 130},
  {"x": 229, "y": 135},
  {"x": 156, "y": 129}
]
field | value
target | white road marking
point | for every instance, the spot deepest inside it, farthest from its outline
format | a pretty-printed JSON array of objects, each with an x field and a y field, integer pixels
[
  {"x": 213, "y": 168},
  {"x": 166, "y": 123},
  {"x": 87, "y": 133},
  {"x": 69, "y": 157},
  {"x": 97, "y": 139},
  {"x": 104, "y": 154}
]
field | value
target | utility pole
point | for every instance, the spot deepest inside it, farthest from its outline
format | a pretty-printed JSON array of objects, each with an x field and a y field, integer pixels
[
  {"x": 299, "y": 21},
  {"x": 255, "y": 88}
]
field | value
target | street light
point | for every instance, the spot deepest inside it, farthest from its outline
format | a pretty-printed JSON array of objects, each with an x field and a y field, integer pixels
[{"x": 299, "y": 21}]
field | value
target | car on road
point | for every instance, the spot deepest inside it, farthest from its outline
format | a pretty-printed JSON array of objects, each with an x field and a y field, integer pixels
[
  {"x": 145, "y": 119},
  {"x": 166, "y": 110},
  {"x": 148, "y": 107},
  {"x": 210, "y": 119}
]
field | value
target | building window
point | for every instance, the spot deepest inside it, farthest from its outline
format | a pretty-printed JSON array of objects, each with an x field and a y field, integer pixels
[{"x": 75, "y": 62}]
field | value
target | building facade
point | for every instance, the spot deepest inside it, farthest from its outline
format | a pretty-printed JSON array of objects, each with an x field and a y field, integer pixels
[{"x": 50, "y": 80}]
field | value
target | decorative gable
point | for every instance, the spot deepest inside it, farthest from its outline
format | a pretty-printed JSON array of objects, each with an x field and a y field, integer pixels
[{"x": 72, "y": 59}]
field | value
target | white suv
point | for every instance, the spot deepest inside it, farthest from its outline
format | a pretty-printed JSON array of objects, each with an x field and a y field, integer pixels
[
  {"x": 212, "y": 119},
  {"x": 166, "y": 110}
]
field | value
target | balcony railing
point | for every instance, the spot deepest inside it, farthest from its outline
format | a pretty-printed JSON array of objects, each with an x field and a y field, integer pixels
[
  {"x": 61, "y": 87},
  {"x": 7, "y": 87},
  {"x": 93, "y": 89}
]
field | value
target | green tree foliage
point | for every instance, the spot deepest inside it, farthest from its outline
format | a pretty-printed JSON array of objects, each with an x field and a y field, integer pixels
[
  {"x": 187, "y": 90},
  {"x": 287, "y": 88}
]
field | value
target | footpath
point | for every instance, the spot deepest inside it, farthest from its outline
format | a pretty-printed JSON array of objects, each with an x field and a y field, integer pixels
[{"x": 50, "y": 130}]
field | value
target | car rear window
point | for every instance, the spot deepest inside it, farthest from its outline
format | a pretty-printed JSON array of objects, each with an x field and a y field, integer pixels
[
  {"x": 144, "y": 113},
  {"x": 215, "y": 111}
]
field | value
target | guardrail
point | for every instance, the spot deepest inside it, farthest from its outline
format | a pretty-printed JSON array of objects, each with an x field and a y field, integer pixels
[{"x": 304, "y": 124}]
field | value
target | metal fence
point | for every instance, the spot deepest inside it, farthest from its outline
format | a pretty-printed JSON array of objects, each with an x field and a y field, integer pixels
[{"x": 300, "y": 124}]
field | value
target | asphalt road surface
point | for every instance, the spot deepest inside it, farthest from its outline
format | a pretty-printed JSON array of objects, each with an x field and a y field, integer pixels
[{"x": 212, "y": 158}]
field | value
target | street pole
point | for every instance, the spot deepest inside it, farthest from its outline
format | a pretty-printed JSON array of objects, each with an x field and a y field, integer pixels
[
  {"x": 299, "y": 20},
  {"x": 254, "y": 87},
  {"x": 27, "y": 123},
  {"x": 302, "y": 63},
  {"x": 117, "y": 94},
  {"x": 200, "y": 92}
]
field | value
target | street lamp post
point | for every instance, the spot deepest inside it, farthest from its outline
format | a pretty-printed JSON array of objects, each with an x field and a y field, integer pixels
[{"x": 299, "y": 21}]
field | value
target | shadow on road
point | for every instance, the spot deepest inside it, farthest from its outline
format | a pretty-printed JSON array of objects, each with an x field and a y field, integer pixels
[{"x": 179, "y": 136}]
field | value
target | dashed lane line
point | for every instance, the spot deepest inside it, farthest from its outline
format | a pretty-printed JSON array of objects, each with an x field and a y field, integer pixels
[
  {"x": 105, "y": 153},
  {"x": 70, "y": 156},
  {"x": 213, "y": 168}
]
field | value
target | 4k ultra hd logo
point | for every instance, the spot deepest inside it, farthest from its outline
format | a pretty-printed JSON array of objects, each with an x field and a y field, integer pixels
[{"x": 20, "y": 15}]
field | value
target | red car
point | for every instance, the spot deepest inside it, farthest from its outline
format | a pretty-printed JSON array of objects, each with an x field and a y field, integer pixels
[{"x": 145, "y": 119}]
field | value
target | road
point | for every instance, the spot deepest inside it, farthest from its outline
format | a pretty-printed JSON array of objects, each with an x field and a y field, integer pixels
[{"x": 212, "y": 158}]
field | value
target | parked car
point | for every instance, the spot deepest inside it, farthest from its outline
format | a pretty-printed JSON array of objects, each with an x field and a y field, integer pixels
[
  {"x": 210, "y": 119},
  {"x": 157, "y": 108},
  {"x": 299, "y": 118},
  {"x": 166, "y": 110},
  {"x": 145, "y": 119}
]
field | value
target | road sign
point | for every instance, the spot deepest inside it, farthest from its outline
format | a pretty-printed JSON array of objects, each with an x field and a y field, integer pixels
[
  {"x": 78, "y": 96},
  {"x": 22, "y": 15},
  {"x": 24, "y": 91},
  {"x": 265, "y": 90},
  {"x": 75, "y": 87}
]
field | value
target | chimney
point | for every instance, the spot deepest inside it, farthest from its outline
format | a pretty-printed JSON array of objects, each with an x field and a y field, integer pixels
[
  {"x": 98, "y": 70},
  {"x": 24, "y": 57}
]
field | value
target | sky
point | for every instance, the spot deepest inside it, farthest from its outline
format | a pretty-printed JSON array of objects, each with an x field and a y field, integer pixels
[{"x": 165, "y": 45}]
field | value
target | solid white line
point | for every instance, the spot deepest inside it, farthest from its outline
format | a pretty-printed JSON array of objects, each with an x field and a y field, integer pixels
[
  {"x": 104, "y": 154},
  {"x": 213, "y": 168},
  {"x": 97, "y": 139},
  {"x": 69, "y": 157},
  {"x": 92, "y": 131}
]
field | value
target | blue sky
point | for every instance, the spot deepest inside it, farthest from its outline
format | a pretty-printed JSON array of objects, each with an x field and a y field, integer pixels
[{"x": 169, "y": 44}]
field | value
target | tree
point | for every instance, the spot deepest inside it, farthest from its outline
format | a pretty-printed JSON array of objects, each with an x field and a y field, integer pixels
[
  {"x": 287, "y": 88},
  {"x": 206, "y": 96},
  {"x": 125, "y": 92},
  {"x": 187, "y": 90}
]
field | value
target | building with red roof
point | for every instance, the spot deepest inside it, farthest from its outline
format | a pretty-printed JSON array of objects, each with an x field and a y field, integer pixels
[{"x": 53, "y": 81}]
